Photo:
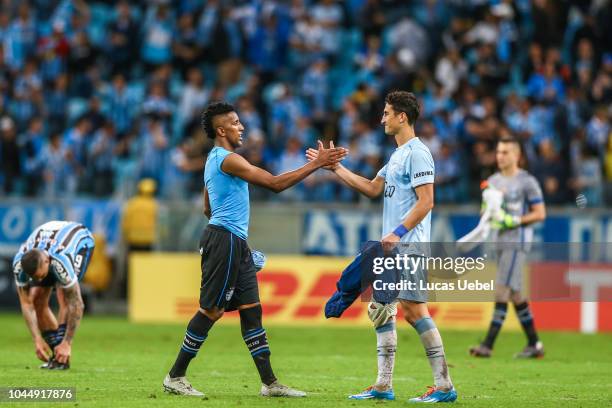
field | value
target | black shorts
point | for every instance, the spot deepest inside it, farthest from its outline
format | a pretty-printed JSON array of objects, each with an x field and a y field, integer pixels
[{"x": 229, "y": 275}]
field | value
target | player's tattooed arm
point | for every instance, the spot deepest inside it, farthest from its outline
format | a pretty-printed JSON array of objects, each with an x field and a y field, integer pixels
[
  {"x": 74, "y": 306},
  {"x": 207, "y": 211},
  {"x": 238, "y": 166},
  {"x": 29, "y": 314}
]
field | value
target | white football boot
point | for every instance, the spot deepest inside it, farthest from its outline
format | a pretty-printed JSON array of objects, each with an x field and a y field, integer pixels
[
  {"x": 180, "y": 386},
  {"x": 277, "y": 389}
]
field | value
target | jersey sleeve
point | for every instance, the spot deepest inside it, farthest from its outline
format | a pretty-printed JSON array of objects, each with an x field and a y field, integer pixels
[
  {"x": 21, "y": 279},
  {"x": 63, "y": 270},
  {"x": 533, "y": 192},
  {"x": 422, "y": 168},
  {"x": 382, "y": 172}
]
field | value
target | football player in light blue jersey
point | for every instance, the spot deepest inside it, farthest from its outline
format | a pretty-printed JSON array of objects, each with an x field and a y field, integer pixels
[
  {"x": 406, "y": 183},
  {"x": 228, "y": 266},
  {"x": 55, "y": 255}
]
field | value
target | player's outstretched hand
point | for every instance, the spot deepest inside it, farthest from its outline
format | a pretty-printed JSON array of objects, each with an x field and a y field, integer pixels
[
  {"x": 336, "y": 154},
  {"x": 62, "y": 352},
  {"x": 42, "y": 350}
]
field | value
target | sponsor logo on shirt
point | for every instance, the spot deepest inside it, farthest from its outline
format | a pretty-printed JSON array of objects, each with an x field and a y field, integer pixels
[{"x": 423, "y": 174}]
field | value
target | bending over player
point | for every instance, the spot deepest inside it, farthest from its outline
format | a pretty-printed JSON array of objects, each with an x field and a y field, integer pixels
[
  {"x": 228, "y": 269},
  {"x": 513, "y": 238},
  {"x": 55, "y": 255},
  {"x": 407, "y": 182}
]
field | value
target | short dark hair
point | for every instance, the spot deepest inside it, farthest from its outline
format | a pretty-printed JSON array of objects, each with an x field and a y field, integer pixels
[
  {"x": 212, "y": 110},
  {"x": 403, "y": 101},
  {"x": 511, "y": 140},
  {"x": 30, "y": 261}
]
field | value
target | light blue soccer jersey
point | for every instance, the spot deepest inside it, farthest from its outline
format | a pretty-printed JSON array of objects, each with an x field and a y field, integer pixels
[
  {"x": 63, "y": 241},
  {"x": 228, "y": 195},
  {"x": 410, "y": 166}
]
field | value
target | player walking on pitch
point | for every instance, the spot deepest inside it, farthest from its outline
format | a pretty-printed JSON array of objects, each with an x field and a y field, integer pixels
[
  {"x": 55, "y": 255},
  {"x": 407, "y": 182},
  {"x": 228, "y": 270},
  {"x": 521, "y": 192}
]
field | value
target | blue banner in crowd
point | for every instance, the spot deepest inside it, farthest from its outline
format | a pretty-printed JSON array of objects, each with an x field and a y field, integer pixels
[
  {"x": 19, "y": 219},
  {"x": 330, "y": 232}
]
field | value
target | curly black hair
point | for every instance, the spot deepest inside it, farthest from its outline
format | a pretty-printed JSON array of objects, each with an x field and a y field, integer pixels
[
  {"x": 212, "y": 110},
  {"x": 403, "y": 101}
]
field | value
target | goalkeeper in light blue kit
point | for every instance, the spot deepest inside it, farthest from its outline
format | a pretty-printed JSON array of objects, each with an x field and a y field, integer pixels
[{"x": 407, "y": 183}]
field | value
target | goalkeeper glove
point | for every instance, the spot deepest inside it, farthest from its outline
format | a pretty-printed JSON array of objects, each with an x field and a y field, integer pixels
[{"x": 506, "y": 221}]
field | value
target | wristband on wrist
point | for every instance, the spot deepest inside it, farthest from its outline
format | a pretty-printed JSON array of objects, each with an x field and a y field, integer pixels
[{"x": 400, "y": 231}]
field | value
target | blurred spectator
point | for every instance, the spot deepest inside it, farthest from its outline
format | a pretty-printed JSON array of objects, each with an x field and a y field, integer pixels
[
  {"x": 185, "y": 48},
  {"x": 315, "y": 88},
  {"x": 447, "y": 175},
  {"x": 31, "y": 144},
  {"x": 157, "y": 102},
  {"x": 120, "y": 105},
  {"x": 194, "y": 97},
  {"x": 157, "y": 41},
  {"x": 292, "y": 158},
  {"x": 598, "y": 129},
  {"x": 153, "y": 150},
  {"x": 550, "y": 172},
  {"x": 122, "y": 40},
  {"x": 9, "y": 149},
  {"x": 450, "y": 71},
  {"x": 588, "y": 177},
  {"x": 306, "y": 41},
  {"x": 102, "y": 150},
  {"x": 328, "y": 15},
  {"x": 267, "y": 48},
  {"x": 75, "y": 144},
  {"x": 546, "y": 86},
  {"x": 300, "y": 70},
  {"x": 139, "y": 224},
  {"x": 19, "y": 40},
  {"x": 57, "y": 103},
  {"x": 56, "y": 170},
  {"x": 139, "y": 218},
  {"x": 371, "y": 58}
]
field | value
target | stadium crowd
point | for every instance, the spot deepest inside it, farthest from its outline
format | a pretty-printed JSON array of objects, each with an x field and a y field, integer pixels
[{"x": 96, "y": 95}]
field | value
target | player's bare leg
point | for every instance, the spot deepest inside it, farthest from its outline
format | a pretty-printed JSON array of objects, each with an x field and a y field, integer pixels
[
  {"x": 418, "y": 316},
  {"x": 534, "y": 347},
  {"x": 197, "y": 331},
  {"x": 254, "y": 335}
]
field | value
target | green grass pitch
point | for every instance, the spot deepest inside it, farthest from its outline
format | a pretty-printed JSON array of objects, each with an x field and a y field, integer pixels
[{"x": 119, "y": 364}]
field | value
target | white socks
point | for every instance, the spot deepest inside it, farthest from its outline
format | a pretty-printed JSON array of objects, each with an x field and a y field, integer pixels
[
  {"x": 434, "y": 349},
  {"x": 386, "y": 344}
]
